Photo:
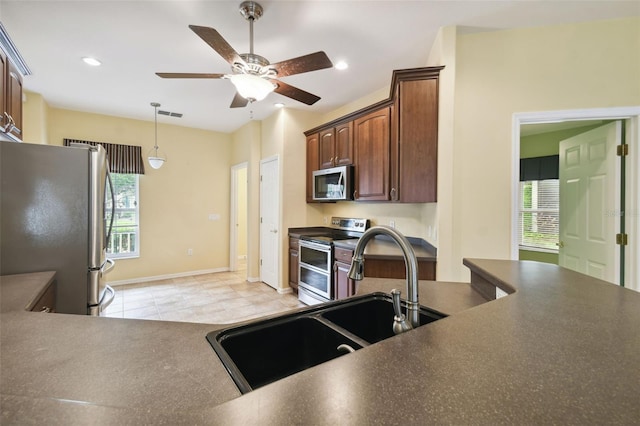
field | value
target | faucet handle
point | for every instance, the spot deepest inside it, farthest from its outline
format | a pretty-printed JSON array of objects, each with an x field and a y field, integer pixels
[
  {"x": 400, "y": 323},
  {"x": 395, "y": 297}
]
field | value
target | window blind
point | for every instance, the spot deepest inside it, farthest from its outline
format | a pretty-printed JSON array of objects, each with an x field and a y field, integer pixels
[
  {"x": 539, "y": 214},
  {"x": 121, "y": 158}
]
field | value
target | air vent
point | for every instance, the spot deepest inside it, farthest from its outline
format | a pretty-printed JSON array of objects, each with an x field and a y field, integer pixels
[{"x": 170, "y": 114}]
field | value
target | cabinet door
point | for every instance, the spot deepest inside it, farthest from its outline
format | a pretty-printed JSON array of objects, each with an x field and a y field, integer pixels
[
  {"x": 371, "y": 155},
  {"x": 293, "y": 263},
  {"x": 312, "y": 164},
  {"x": 4, "y": 70},
  {"x": 293, "y": 270},
  {"x": 343, "y": 286},
  {"x": 344, "y": 144},
  {"x": 415, "y": 171},
  {"x": 14, "y": 100},
  {"x": 327, "y": 148}
]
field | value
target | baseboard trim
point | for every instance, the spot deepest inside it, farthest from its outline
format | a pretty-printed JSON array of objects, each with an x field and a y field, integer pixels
[
  {"x": 285, "y": 290},
  {"x": 253, "y": 279},
  {"x": 166, "y": 277}
]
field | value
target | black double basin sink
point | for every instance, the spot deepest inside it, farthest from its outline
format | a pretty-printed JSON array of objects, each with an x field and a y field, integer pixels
[{"x": 261, "y": 352}]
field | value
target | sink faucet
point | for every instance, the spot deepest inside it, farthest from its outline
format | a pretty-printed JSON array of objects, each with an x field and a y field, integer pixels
[{"x": 357, "y": 271}]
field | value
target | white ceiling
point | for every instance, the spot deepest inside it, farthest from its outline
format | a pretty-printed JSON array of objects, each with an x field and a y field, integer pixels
[{"x": 135, "y": 39}]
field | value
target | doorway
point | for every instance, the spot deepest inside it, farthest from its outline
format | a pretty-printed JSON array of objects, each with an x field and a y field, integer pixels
[
  {"x": 631, "y": 115},
  {"x": 238, "y": 252}
]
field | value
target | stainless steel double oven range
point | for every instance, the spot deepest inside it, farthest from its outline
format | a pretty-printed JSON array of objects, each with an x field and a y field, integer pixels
[{"x": 316, "y": 257}]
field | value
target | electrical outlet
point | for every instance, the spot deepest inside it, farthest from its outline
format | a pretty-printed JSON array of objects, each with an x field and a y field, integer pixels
[
  {"x": 326, "y": 220},
  {"x": 189, "y": 252},
  {"x": 392, "y": 223}
]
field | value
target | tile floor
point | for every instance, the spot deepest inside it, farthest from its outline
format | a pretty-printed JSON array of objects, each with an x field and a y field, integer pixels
[{"x": 220, "y": 298}]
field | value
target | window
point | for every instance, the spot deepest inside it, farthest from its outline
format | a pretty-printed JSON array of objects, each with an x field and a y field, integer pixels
[
  {"x": 125, "y": 235},
  {"x": 539, "y": 215}
]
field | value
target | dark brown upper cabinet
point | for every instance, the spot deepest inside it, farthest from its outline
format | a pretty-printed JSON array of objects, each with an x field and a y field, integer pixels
[
  {"x": 10, "y": 99},
  {"x": 336, "y": 146},
  {"x": 393, "y": 144},
  {"x": 372, "y": 137}
]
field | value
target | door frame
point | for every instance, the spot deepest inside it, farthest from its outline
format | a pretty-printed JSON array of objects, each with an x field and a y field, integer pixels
[
  {"x": 233, "y": 214},
  {"x": 633, "y": 169}
]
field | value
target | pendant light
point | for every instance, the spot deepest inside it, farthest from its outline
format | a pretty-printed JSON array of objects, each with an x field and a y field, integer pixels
[{"x": 156, "y": 161}]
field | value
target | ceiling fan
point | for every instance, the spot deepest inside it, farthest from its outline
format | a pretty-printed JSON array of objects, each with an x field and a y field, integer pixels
[{"x": 252, "y": 75}]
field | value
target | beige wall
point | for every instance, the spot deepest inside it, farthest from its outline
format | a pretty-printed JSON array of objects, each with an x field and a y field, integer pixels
[
  {"x": 175, "y": 201},
  {"x": 578, "y": 66},
  {"x": 35, "y": 113},
  {"x": 246, "y": 148}
]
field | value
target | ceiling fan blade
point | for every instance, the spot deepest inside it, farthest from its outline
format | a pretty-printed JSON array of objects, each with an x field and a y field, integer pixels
[
  {"x": 219, "y": 44},
  {"x": 187, "y": 75},
  {"x": 238, "y": 101},
  {"x": 311, "y": 62},
  {"x": 295, "y": 93}
]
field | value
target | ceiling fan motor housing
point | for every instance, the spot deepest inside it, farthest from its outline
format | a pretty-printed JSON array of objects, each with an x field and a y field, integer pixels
[
  {"x": 254, "y": 64},
  {"x": 251, "y": 10}
]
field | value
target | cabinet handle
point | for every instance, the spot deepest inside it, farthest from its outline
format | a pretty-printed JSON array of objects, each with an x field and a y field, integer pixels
[
  {"x": 355, "y": 194},
  {"x": 7, "y": 127},
  {"x": 393, "y": 194}
]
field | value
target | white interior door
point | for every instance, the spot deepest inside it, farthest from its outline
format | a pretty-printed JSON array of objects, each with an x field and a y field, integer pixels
[
  {"x": 269, "y": 221},
  {"x": 238, "y": 222},
  {"x": 589, "y": 198}
]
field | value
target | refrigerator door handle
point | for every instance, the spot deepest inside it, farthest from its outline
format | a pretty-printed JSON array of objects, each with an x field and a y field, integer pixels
[
  {"x": 113, "y": 208},
  {"x": 108, "y": 298},
  {"x": 107, "y": 268}
]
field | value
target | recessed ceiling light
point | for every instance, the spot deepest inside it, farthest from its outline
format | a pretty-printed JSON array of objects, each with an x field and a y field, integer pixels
[
  {"x": 341, "y": 65},
  {"x": 91, "y": 61},
  {"x": 278, "y": 105}
]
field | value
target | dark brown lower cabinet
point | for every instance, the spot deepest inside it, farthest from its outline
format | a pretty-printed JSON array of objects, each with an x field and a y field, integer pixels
[
  {"x": 293, "y": 263},
  {"x": 343, "y": 286},
  {"x": 384, "y": 268}
]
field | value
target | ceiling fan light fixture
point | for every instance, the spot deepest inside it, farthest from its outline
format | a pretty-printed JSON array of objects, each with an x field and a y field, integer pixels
[{"x": 252, "y": 87}]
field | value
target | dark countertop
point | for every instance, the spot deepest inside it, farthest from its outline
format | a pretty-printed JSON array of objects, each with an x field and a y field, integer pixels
[
  {"x": 563, "y": 348},
  {"x": 72, "y": 367},
  {"x": 380, "y": 247}
]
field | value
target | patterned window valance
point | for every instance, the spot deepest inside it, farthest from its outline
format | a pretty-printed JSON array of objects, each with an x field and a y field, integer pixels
[{"x": 122, "y": 158}]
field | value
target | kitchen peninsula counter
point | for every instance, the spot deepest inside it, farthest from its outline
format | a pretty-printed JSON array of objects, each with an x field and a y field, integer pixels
[{"x": 561, "y": 348}]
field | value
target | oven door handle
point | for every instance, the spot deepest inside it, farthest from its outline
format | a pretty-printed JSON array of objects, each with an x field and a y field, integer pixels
[{"x": 315, "y": 246}]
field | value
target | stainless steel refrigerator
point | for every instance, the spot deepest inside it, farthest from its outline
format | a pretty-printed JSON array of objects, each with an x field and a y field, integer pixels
[{"x": 53, "y": 216}]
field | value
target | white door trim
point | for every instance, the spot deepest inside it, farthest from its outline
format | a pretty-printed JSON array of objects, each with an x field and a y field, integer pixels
[
  {"x": 630, "y": 112},
  {"x": 233, "y": 214}
]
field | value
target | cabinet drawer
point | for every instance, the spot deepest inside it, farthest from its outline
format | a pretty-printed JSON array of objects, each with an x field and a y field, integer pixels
[{"x": 343, "y": 255}]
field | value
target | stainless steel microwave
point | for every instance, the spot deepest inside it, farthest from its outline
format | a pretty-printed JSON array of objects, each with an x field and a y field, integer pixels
[{"x": 333, "y": 184}]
